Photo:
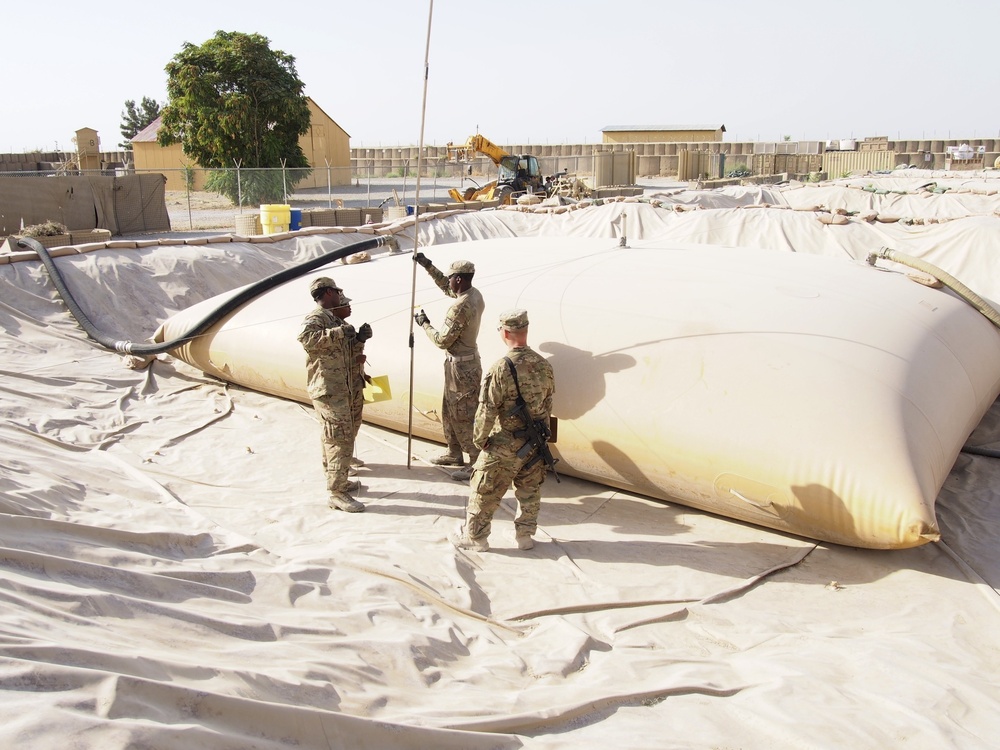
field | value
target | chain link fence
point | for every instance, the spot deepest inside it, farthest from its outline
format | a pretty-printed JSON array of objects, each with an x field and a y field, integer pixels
[
  {"x": 367, "y": 183},
  {"x": 196, "y": 198}
]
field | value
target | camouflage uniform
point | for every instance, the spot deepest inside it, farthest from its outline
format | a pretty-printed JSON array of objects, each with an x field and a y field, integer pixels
[
  {"x": 335, "y": 374},
  {"x": 462, "y": 367},
  {"x": 498, "y": 465}
]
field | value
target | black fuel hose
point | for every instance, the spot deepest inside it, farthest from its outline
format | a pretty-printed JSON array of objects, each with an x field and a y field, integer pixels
[
  {"x": 245, "y": 295},
  {"x": 975, "y": 450}
]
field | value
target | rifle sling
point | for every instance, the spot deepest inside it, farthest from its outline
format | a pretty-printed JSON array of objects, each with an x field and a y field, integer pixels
[
  {"x": 542, "y": 453},
  {"x": 521, "y": 402},
  {"x": 513, "y": 374}
]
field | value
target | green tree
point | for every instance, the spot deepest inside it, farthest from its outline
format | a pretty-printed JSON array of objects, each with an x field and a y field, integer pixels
[
  {"x": 135, "y": 118},
  {"x": 233, "y": 101}
]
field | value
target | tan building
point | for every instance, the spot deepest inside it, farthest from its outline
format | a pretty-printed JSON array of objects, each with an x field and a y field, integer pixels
[
  {"x": 324, "y": 143},
  {"x": 662, "y": 133}
]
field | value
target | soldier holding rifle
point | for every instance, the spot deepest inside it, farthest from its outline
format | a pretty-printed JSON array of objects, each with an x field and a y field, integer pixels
[{"x": 511, "y": 430}]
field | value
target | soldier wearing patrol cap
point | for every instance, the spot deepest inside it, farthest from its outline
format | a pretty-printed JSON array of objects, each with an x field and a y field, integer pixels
[
  {"x": 498, "y": 464},
  {"x": 336, "y": 379},
  {"x": 462, "y": 367}
]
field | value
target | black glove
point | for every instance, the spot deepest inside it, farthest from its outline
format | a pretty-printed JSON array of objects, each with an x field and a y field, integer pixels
[
  {"x": 349, "y": 332},
  {"x": 364, "y": 332},
  {"x": 421, "y": 319},
  {"x": 421, "y": 260}
]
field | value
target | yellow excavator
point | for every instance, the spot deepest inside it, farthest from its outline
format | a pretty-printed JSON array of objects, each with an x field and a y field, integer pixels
[{"x": 516, "y": 174}]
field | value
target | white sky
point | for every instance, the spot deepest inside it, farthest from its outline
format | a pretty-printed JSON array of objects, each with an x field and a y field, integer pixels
[{"x": 532, "y": 71}]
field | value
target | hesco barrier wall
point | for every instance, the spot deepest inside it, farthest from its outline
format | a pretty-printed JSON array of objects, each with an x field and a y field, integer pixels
[
  {"x": 130, "y": 203},
  {"x": 661, "y": 159},
  {"x": 695, "y": 165},
  {"x": 583, "y": 159}
]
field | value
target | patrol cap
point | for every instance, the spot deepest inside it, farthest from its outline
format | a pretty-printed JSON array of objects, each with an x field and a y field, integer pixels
[
  {"x": 322, "y": 282},
  {"x": 461, "y": 266},
  {"x": 514, "y": 320}
]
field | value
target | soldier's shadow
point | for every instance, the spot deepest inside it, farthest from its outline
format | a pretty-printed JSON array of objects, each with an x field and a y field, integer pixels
[{"x": 580, "y": 377}]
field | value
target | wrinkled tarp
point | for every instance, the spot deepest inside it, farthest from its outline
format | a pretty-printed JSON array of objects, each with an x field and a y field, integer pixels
[{"x": 172, "y": 577}]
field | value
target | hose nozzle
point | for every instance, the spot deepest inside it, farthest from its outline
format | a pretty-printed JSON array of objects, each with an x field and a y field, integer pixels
[{"x": 882, "y": 253}]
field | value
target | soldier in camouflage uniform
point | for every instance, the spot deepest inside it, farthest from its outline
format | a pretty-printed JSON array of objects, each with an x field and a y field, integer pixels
[
  {"x": 336, "y": 380},
  {"x": 498, "y": 464},
  {"x": 462, "y": 367}
]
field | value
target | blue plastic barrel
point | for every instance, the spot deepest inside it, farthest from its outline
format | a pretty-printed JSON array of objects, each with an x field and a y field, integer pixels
[{"x": 296, "y": 219}]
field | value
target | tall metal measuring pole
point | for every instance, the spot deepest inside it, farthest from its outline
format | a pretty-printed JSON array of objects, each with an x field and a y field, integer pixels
[{"x": 416, "y": 234}]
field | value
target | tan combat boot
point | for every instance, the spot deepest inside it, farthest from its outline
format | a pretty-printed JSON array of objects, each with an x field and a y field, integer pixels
[
  {"x": 460, "y": 539},
  {"x": 343, "y": 501},
  {"x": 448, "y": 459}
]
